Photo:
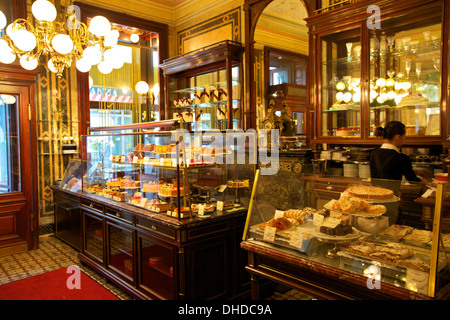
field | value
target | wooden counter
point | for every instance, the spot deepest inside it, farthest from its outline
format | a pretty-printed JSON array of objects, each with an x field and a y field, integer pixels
[
  {"x": 153, "y": 256},
  {"x": 318, "y": 276}
]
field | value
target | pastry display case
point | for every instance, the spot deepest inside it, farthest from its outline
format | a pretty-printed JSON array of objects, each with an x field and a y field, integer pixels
[
  {"x": 368, "y": 75},
  {"x": 159, "y": 205},
  {"x": 172, "y": 172},
  {"x": 351, "y": 241},
  {"x": 204, "y": 87}
]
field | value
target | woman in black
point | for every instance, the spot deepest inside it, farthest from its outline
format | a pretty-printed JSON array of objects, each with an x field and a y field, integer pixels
[{"x": 387, "y": 162}]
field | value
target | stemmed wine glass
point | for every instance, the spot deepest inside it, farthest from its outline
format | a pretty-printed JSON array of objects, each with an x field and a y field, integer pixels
[
  {"x": 407, "y": 66},
  {"x": 418, "y": 69},
  {"x": 349, "y": 50},
  {"x": 437, "y": 63}
]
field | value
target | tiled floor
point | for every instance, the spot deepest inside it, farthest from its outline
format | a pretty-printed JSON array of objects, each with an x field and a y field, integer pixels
[{"x": 54, "y": 254}]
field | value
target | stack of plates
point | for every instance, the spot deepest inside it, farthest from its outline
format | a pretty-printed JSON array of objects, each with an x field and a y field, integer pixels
[
  {"x": 364, "y": 171},
  {"x": 351, "y": 170}
]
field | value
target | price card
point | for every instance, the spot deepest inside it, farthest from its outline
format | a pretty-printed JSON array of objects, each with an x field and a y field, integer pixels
[
  {"x": 318, "y": 219},
  {"x": 135, "y": 159},
  {"x": 427, "y": 193},
  {"x": 201, "y": 210},
  {"x": 219, "y": 205},
  {"x": 161, "y": 161},
  {"x": 222, "y": 188},
  {"x": 146, "y": 158},
  {"x": 269, "y": 233},
  {"x": 278, "y": 214},
  {"x": 297, "y": 238}
]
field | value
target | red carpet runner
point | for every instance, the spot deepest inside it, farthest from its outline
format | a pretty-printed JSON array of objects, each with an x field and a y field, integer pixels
[{"x": 54, "y": 285}]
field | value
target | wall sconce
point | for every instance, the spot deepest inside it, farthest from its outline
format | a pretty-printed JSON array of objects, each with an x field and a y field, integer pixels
[{"x": 142, "y": 88}]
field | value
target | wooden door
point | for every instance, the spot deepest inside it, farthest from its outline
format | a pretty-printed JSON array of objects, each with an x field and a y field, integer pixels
[{"x": 18, "y": 166}]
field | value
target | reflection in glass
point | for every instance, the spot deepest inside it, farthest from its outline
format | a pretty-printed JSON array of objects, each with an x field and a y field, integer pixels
[{"x": 9, "y": 144}]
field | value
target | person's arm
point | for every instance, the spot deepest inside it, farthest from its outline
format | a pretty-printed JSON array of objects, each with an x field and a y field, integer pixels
[{"x": 409, "y": 173}]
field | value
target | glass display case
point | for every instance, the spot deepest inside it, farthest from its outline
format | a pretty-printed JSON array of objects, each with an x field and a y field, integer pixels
[
  {"x": 405, "y": 75},
  {"x": 368, "y": 75},
  {"x": 341, "y": 78},
  {"x": 175, "y": 173},
  {"x": 204, "y": 87},
  {"x": 353, "y": 231}
]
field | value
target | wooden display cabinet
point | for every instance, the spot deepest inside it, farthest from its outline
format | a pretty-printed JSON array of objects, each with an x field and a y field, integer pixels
[
  {"x": 205, "y": 87},
  {"x": 364, "y": 76}
]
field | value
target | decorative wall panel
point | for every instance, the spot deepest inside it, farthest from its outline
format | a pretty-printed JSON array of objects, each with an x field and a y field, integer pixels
[{"x": 226, "y": 26}]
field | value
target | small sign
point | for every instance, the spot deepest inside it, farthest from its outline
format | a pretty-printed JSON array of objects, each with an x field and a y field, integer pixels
[
  {"x": 201, "y": 210},
  {"x": 269, "y": 233},
  {"x": 219, "y": 205},
  {"x": 278, "y": 214},
  {"x": 222, "y": 188},
  {"x": 296, "y": 239}
]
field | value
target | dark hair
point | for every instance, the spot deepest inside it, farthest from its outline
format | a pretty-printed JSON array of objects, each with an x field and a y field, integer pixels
[{"x": 390, "y": 130}]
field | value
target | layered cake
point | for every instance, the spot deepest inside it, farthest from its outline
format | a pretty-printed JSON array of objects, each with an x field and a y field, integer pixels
[
  {"x": 151, "y": 186},
  {"x": 370, "y": 193},
  {"x": 170, "y": 190}
]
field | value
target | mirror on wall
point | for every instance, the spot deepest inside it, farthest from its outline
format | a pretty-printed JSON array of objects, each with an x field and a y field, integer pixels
[{"x": 281, "y": 60}]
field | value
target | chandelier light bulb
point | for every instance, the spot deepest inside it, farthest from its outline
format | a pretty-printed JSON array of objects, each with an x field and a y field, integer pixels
[
  {"x": 44, "y": 10},
  {"x": 3, "y": 20},
  {"x": 51, "y": 66},
  {"x": 62, "y": 43},
  {"x": 93, "y": 55},
  {"x": 112, "y": 38},
  {"x": 100, "y": 26},
  {"x": 7, "y": 55},
  {"x": 83, "y": 65},
  {"x": 24, "y": 40},
  {"x": 141, "y": 87},
  {"x": 104, "y": 67},
  {"x": 29, "y": 63}
]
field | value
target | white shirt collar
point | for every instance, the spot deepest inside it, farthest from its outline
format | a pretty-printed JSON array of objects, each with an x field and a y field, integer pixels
[{"x": 389, "y": 146}]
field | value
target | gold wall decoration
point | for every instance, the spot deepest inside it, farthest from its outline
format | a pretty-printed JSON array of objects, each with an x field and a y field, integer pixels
[{"x": 225, "y": 26}]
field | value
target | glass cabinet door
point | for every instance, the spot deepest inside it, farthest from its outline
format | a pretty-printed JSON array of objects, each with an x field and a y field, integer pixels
[
  {"x": 157, "y": 268},
  {"x": 93, "y": 228},
  {"x": 121, "y": 251},
  {"x": 405, "y": 75},
  {"x": 340, "y": 111},
  {"x": 202, "y": 100}
]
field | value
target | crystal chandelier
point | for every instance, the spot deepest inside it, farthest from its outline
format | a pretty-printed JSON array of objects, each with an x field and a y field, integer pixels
[{"x": 63, "y": 42}]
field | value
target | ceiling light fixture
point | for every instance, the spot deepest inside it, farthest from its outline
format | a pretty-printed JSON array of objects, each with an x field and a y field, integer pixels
[{"x": 63, "y": 43}]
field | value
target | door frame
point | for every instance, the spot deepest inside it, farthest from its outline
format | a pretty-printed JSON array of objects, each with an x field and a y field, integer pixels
[{"x": 17, "y": 81}]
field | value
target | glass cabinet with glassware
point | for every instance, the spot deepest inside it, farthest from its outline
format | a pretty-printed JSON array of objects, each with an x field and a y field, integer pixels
[
  {"x": 204, "y": 87},
  {"x": 369, "y": 74}
]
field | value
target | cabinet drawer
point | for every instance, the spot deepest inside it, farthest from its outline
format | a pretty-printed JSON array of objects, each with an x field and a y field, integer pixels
[
  {"x": 127, "y": 217},
  {"x": 92, "y": 205},
  {"x": 156, "y": 227}
]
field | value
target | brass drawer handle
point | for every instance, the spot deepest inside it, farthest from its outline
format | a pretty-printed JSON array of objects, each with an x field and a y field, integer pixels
[
  {"x": 118, "y": 215},
  {"x": 155, "y": 228},
  {"x": 330, "y": 188},
  {"x": 91, "y": 205}
]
